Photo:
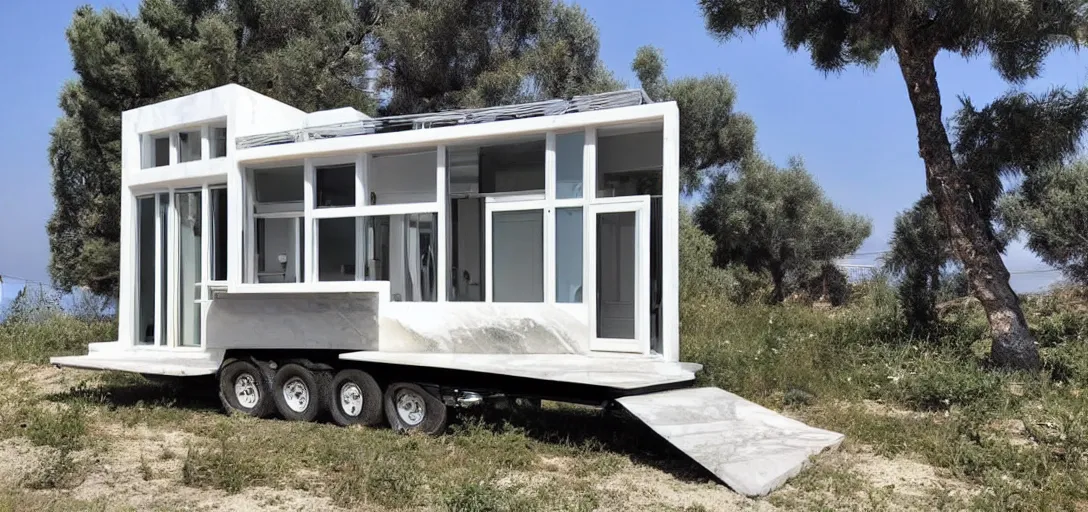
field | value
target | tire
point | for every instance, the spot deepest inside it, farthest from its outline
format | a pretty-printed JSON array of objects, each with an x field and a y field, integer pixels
[
  {"x": 299, "y": 393},
  {"x": 419, "y": 411},
  {"x": 243, "y": 390},
  {"x": 354, "y": 398}
]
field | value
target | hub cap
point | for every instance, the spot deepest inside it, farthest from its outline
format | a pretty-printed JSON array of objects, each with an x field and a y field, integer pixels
[
  {"x": 296, "y": 394},
  {"x": 411, "y": 408},
  {"x": 351, "y": 399},
  {"x": 246, "y": 391}
]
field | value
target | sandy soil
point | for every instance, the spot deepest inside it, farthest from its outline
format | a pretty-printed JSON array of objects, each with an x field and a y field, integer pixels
[{"x": 140, "y": 467}]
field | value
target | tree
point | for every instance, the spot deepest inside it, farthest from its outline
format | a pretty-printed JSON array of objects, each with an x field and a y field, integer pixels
[
  {"x": 1018, "y": 34},
  {"x": 779, "y": 221},
  {"x": 712, "y": 135},
  {"x": 918, "y": 253},
  {"x": 441, "y": 54},
  {"x": 313, "y": 54},
  {"x": 1052, "y": 209},
  {"x": 1016, "y": 135}
]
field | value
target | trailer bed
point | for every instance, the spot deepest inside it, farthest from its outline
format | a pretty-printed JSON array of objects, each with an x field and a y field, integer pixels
[{"x": 617, "y": 371}]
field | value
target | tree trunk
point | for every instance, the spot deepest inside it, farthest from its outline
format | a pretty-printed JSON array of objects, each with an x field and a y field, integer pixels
[
  {"x": 778, "y": 277},
  {"x": 1013, "y": 345}
]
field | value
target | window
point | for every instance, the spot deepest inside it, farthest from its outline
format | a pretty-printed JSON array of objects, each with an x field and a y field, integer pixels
[
  {"x": 403, "y": 250},
  {"x": 219, "y": 141},
  {"x": 629, "y": 164},
  {"x": 145, "y": 271},
  {"x": 279, "y": 252},
  {"x": 279, "y": 185},
  {"x": 516, "y": 167},
  {"x": 190, "y": 279},
  {"x": 402, "y": 178},
  {"x": 568, "y": 165},
  {"x": 189, "y": 146},
  {"x": 568, "y": 255},
  {"x": 336, "y": 186},
  {"x": 160, "y": 151},
  {"x": 336, "y": 249},
  {"x": 219, "y": 234},
  {"x": 517, "y": 256}
]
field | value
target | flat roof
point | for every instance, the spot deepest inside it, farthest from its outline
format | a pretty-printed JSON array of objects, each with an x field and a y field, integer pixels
[{"x": 585, "y": 103}]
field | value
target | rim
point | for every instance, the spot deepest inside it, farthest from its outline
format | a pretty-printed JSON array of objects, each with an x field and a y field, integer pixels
[
  {"x": 246, "y": 391},
  {"x": 410, "y": 407},
  {"x": 351, "y": 399},
  {"x": 296, "y": 394}
]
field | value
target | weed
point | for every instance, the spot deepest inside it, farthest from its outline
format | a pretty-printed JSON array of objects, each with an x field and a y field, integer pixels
[{"x": 58, "y": 470}]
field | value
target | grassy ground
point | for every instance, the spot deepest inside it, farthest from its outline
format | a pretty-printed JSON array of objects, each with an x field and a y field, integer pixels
[{"x": 928, "y": 427}]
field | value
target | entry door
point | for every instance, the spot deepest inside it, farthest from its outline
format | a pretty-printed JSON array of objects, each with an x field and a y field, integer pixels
[{"x": 620, "y": 266}]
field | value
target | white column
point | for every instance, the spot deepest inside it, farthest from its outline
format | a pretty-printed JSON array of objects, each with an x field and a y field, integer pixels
[
  {"x": 549, "y": 218},
  {"x": 442, "y": 266},
  {"x": 308, "y": 248},
  {"x": 589, "y": 230},
  {"x": 670, "y": 236},
  {"x": 361, "y": 173},
  {"x": 205, "y": 142},
  {"x": 174, "y": 146}
]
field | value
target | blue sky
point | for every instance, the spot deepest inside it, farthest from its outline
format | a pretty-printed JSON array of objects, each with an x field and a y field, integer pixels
[{"x": 855, "y": 130}]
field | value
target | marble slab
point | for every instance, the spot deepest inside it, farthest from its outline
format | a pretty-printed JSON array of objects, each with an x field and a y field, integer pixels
[
  {"x": 619, "y": 372},
  {"x": 165, "y": 363},
  {"x": 752, "y": 449}
]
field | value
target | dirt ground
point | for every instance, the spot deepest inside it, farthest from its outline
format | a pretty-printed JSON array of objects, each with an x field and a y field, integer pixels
[{"x": 127, "y": 463}]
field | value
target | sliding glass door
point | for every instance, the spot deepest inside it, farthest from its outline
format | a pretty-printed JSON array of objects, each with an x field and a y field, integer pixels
[{"x": 189, "y": 213}]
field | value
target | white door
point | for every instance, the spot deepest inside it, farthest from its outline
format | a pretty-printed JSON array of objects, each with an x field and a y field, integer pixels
[{"x": 619, "y": 273}]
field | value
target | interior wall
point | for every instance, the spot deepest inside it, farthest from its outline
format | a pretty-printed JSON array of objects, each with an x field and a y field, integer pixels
[{"x": 410, "y": 178}]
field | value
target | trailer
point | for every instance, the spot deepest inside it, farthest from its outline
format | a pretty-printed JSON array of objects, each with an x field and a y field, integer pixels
[{"x": 389, "y": 270}]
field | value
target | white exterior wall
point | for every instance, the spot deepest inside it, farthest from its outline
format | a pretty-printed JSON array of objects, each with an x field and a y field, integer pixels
[{"x": 247, "y": 113}]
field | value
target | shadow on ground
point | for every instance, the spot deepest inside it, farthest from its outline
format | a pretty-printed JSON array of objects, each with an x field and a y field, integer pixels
[{"x": 593, "y": 429}]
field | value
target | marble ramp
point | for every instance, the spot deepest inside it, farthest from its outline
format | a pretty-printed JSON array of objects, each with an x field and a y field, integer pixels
[{"x": 752, "y": 449}]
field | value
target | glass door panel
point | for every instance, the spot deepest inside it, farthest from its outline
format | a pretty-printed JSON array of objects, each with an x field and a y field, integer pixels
[{"x": 189, "y": 267}]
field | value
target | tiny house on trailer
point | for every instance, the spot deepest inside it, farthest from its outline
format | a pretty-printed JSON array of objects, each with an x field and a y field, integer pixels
[{"x": 389, "y": 269}]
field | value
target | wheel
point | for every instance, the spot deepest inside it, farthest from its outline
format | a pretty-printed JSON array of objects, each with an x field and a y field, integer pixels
[
  {"x": 355, "y": 399},
  {"x": 411, "y": 409},
  {"x": 242, "y": 389},
  {"x": 299, "y": 393}
]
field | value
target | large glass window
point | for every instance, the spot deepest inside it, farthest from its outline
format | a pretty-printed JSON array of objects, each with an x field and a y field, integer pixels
[
  {"x": 516, "y": 167},
  {"x": 219, "y": 234},
  {"x": 336, "y": 186},
  {"x": 336, "y": 249},
  {"x": 279, "y": 252},
  {"x": 402, "y": 178},
  {"x": 189, "y": 267},
  {"x": 568, "y": 255},
  {"x": 160, "y": 151},
  {"x": 628, "y": 164},
  {"x": 279, "y": 185},
  {"x": 517, "y": 256},
  {"x": 189, "y": 146},
  {"x": 403, "y": 249},
  {"x": 145, "y": 270},
  {"x": 164, "y": 235},
  {"x": 219, "y": 141},
  {"x": 568, "y": 165}
]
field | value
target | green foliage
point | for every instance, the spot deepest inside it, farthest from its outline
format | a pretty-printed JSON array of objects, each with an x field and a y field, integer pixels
[
  {"x": 779, "y": 221},
  {"x": 56, "y": 335},
  {"x": 438, "y": 54},
  {"x": 919, "y": 251},
  {"x": 1052, "y": 209},
  {"x": 712, "y": 135}
]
